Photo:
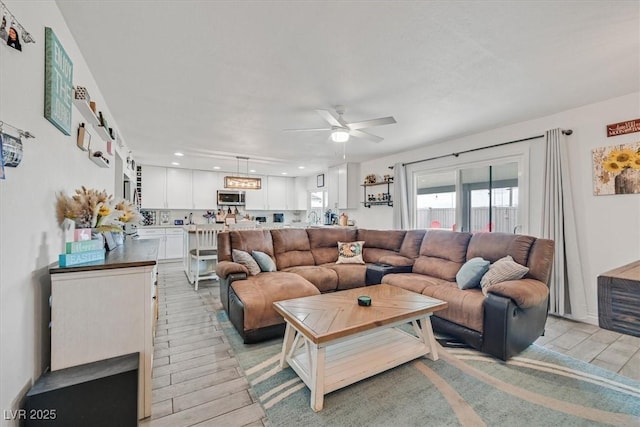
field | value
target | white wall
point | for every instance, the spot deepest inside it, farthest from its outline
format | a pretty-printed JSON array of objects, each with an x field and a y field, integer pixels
[
  {"x": 608, "y": 226},
  {"x": 30, "y": 238}
]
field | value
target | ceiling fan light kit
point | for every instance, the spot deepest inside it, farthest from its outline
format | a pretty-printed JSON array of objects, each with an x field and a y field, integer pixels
[{"x": 340, "y": 135}]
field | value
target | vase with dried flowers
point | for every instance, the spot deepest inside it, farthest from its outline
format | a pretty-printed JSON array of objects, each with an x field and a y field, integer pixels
[
  {"x": 90, "y": 208},
  {"x": 625, "y": 165}
]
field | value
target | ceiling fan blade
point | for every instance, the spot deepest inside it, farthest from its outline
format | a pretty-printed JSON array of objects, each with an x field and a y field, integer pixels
[
  {"x": 329, "y": 118},
  {"x": 364, "y": 135},
  {"x": 370, "y": 123},
  {"x": 306, "y": 130}
]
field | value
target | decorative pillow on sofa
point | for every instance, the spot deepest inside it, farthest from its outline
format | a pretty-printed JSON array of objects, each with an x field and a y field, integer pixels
[
  {"x": 471, "y": 272},
  {"x": 264, "y": 261},
  {"x": 502, "y": 270},
  {"x": 350, "y": 252},
  {"x": 244, "y": 258}
]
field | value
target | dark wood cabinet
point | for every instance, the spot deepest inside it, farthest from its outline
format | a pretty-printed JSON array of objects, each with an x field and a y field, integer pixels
[{"x": 619, "y": 299}]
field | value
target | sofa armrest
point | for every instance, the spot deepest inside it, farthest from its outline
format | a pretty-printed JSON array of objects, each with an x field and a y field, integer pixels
[
  {"x": 225, "y": 268},
  {"x": 525, "y": 293}
]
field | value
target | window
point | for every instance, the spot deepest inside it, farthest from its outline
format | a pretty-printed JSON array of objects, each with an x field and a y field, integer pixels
[
  {"x": 475, "y": 199},
  {"x": 318, "y": 203}
]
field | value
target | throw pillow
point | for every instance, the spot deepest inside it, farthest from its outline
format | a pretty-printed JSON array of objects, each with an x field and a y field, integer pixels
[
  {"x": 244, "y": 258},
  {"x": 350, "y": 253},
  {"x": 502, "y": 270},
  {"x": 264, "y": 261},
  {"x": 471, "y": 272}
]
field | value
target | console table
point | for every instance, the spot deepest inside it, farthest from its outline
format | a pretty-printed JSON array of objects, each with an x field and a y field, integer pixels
[
  {"x": 105, "y": 309},
  {"x": 619, "y": 299}
]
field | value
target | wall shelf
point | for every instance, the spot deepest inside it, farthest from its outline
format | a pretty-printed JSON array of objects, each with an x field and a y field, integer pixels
[
  {"x": 101, "y": 161},
  {"x": 102, "y": 132},
  {"x": 369, "y": 203},
  {"x": 83, "y": 106}
]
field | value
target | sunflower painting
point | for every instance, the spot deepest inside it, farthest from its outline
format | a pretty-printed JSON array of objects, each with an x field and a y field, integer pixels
[{"x": 616, "y": 169}]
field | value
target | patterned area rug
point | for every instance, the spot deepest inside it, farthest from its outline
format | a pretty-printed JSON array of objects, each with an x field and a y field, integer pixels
[{"x": 464, "y": 388}]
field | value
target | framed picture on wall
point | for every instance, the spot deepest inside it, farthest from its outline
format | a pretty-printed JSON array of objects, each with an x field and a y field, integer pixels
[{"x": 320, "y": 180}]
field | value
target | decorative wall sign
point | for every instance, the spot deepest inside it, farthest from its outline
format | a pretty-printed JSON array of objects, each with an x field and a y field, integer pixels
[
  {"x": 616, "y": 169},
  {"x": 11, "y": 150},
  {"x": 630, "y": 126},
  {"x": 58, "y": 77}
]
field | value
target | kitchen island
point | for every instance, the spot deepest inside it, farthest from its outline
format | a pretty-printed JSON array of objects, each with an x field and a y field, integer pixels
[{"x": 105, "y": 309}]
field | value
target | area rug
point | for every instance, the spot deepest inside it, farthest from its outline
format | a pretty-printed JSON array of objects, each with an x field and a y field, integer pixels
[{"x": 464, "y": 387}]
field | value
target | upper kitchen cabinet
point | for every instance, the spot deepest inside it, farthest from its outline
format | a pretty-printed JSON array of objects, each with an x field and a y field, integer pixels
[
  {"x": 205, "y": 187},
  {"x": 256, "y": 200},
  {"x": 343, "y": 186},
  {"x": 300, "y": 193},
  {"x": 280, "y": 193},
  {"x": 154, "y": 187},
  {"x": 166, "y": 188}
]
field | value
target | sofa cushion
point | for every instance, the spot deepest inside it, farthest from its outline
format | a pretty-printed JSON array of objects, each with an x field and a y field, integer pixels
[
  {"x": 531, "y": 295},
  {"x": 349, "y": 275},
  {"x": 411, "y": 244},
  {"x": 264, "y": 261},
  {"x": 225, "y": 268},
  {"x": 493, "y": 246},
  {"x": 411, "y": 281},
  {"x": 380, "y": 243},
  {"x": 325, "y": 279},
  {"x": 471, "y": 273},
  {"x": 252, "y": 240},
  {"x": 396, "y": 260},
  {"x": 258, "y": 293},
  {"x": 350, "y": 253},
  {"x": 291, "y": 247},
  {"x": 442, "y": 253},
  {"x": 245, "y": 259},
  {"x": 502, "y": 270},
  {"x": 465, "y": 307},
  {"x": 323, "y": 242}
]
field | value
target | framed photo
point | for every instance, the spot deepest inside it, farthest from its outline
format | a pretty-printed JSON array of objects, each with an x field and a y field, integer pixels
[
  {"x": 110, "y": 243},
  {"x": 320, "y": 180}
]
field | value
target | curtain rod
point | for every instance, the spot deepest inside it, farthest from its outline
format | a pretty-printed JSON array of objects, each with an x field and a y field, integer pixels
[
  {"x": 22, "y": 133},
  {"x": 566, "y": 132}
]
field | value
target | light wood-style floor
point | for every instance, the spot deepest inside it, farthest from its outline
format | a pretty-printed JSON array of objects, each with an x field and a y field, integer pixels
[{"x": 197, "y": 379}]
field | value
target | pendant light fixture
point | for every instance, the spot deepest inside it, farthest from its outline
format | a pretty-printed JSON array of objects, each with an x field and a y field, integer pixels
[{"x": 242, "y": 182}]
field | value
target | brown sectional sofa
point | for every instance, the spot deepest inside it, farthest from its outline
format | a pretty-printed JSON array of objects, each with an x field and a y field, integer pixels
[{"x": 503, "y": 323}]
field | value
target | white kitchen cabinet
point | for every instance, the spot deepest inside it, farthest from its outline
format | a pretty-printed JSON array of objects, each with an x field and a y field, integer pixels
[
  {"x": 256, "y": 200},
  {"x": 300, "y": 193},
  {"x": 154, "y": 187},
  {"x": 205, "y": 187},
  {"x": 276, "y": 193},
  {"x": 179, "y": 193},
  {"x": 170, "y": 240},
  {"x": 174, "y": 246},
  {"x": 343, "y": 186}
]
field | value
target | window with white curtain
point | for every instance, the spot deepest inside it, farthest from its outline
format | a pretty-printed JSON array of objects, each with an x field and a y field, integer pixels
[{"x": 479, "y": 197}]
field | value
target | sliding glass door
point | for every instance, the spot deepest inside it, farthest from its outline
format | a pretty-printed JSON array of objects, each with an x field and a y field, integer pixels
[{"x": 475, "y": 199}]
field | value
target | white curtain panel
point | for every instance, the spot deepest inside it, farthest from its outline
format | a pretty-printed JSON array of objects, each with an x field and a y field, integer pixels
[
  {"x": 568, "y": 293},
  {"x": 401, "y": 197}
]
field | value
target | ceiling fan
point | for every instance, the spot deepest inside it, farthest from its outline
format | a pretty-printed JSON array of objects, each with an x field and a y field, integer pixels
[{"x": 341, "y": 130}]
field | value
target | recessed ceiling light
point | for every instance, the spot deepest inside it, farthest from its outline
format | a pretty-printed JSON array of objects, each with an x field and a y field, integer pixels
[
  {"x": 252, "y": 170},
  {"x": 216, "y": 167},
  {"x": 284, "y": 173},
  {"x": 175, "y": 163},
  {"x": 179, "y": 154},
  {"x": 300, "y": 167}
]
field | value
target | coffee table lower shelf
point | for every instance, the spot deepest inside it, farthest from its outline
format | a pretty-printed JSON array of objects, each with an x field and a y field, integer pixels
[{"x": 334, "y": 365}]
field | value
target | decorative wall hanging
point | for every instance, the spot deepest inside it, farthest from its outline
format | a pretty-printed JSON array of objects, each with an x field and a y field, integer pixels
[
  {"x": 11, "y": 150},
  {"x": 11, "y": 30},
  {"x": 58, "y": 77},
  {"x": 84, "y": 137},
  {"x": 630, "y": 126},
  {"x": 616, "y": 169}
]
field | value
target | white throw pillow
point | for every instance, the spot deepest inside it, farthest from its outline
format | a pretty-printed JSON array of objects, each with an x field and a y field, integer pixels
[{"x": 350, "y": 253}]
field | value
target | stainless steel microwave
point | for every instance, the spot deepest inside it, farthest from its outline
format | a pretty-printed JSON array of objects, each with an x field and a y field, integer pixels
[{"x": 227, "y": 197}]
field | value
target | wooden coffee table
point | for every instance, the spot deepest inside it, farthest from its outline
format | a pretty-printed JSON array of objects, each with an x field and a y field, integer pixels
[{"x": 331, "y": 342}]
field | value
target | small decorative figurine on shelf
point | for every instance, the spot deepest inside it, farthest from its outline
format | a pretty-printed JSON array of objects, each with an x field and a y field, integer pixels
[
  {"x": 387, "y": 178},
  {"x": 371, "y": 179}
]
